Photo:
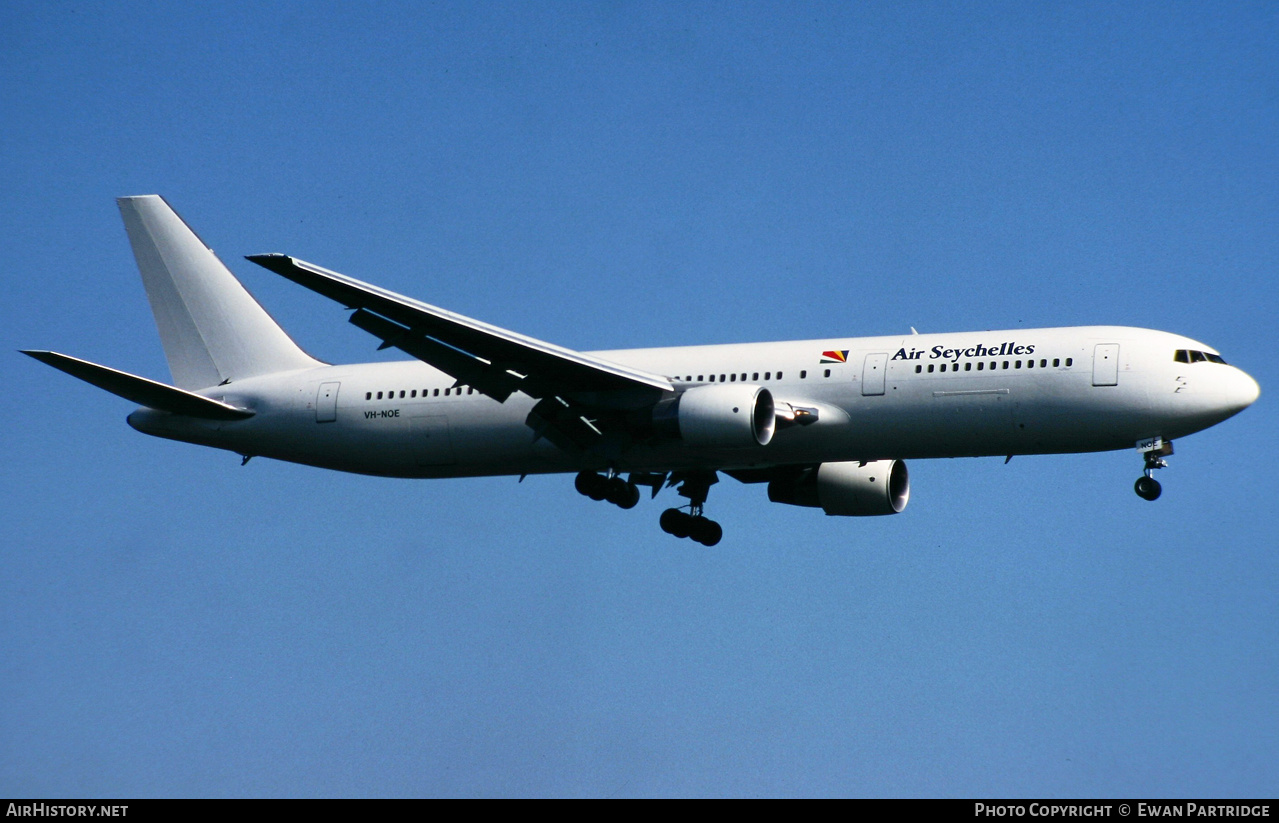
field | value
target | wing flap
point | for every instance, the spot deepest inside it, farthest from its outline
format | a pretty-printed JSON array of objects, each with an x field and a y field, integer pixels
[
  {"x": 462, "y": 367},
  {"x": 140, "y": 390}
]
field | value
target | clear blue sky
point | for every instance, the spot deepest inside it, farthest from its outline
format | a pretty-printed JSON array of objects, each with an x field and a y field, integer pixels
[{"x": 610, "y": 175}]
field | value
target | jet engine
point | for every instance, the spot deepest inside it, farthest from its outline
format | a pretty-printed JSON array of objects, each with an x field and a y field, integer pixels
[
  {"x": 848, "y": 489},
  {"x": 720, "y": 416}
]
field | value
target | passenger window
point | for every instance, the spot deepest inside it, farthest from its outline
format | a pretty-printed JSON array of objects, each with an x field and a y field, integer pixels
[
  {"x": 1070, "y": 361},
  {"x": 721, "y": 378},
  {"x": 993, "y": 365},
  {"x": 1017, "y": 365},
  {"x": 803, "y": 374},
  {"x": 943, "y": 367},
  {"x": 368, "y": 395},
  {"x": 968, "y": 367},
  {"x": 1005, "y": 365},
  {"x": 768, "y": 375},
  {"x": 379, "y": 395},
  {"x": 918, "y": 368},
  {"x": 827, "y": 373},
  {"x": 779, "y": 375},
  {"x": 981, "y": 364},
  {"x": 1043, "y": 364},
  {"x": 930, "y": 368},
  {"x": 732, "y": 378},
  {"x": 1030, "y": 364},
  {"x": 1056, "y": 362},
  {"x": 755, "y": 377}
]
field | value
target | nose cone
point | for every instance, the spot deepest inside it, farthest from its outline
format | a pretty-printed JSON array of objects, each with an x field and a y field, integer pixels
[
  {"x": 1244, "y": 391},
  {"x": 1213, "y": 394}
]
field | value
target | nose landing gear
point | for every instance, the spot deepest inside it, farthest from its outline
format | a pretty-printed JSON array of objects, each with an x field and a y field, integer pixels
[{"x": 1154, "y": 450}]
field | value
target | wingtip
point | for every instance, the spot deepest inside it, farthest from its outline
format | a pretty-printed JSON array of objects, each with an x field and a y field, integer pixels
[{"x": 269, "y": 261}]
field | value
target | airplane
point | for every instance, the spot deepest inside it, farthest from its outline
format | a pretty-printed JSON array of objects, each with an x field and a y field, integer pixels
[{"x": 823, "y": 423}]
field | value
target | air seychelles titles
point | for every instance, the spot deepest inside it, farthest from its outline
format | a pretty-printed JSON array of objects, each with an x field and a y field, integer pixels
[{"x": 1010, "y": 347}]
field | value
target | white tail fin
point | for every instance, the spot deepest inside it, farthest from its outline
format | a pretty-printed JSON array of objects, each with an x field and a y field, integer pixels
[{"x": 212, "y": 329}]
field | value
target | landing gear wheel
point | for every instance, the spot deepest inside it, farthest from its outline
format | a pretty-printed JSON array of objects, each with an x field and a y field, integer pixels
[
  {"x": 707, "y": 532},
  {"x": 1148, "y": 488},
  {"x": 622, "y": 494},
  {"x": 676, "y": 522},
  {"x": 594, "y": 486}
]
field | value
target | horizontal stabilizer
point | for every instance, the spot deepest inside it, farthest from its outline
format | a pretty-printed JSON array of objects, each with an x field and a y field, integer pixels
[{"x": 140, "y": 390}]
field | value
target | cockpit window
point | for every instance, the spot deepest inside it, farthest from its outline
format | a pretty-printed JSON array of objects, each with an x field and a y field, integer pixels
[{"x": 1192, "y": 356}]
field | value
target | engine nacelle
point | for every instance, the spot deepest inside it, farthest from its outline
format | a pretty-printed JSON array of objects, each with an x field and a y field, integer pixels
[
  {"x": 721, "y": 416},
  {"x": 847, "y": 489}
]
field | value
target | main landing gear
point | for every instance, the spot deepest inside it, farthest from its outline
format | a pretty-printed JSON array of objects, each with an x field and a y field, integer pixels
[
  {"x": 625, "y": 494},
  {"x": 1147, "y": 487},
  {"x": 694, "y": 486},
  {"x": 608, "y": 487},
  {"x": 691, "y": 524}
]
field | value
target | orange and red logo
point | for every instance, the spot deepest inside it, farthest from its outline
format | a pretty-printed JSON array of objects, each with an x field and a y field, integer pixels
[{"x": 837, "y": 356}]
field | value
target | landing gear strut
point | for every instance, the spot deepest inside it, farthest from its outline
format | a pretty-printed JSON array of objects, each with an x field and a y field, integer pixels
[
  {"x": 1147, "y": 487},
  {"x": 692, "y": 523}
]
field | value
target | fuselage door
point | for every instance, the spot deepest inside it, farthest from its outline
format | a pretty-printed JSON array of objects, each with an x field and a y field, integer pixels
[
  {"x": 1105, "y": 365},
  {"x": 873, "y": 373},
  {"x": 326, "y": 403}
]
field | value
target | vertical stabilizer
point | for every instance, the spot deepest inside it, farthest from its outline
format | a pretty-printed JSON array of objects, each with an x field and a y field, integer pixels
[{"x": 211, "y": 327}]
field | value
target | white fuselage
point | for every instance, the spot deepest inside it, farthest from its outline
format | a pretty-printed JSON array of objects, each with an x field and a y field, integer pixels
[{"x": 1026, "y": 391}]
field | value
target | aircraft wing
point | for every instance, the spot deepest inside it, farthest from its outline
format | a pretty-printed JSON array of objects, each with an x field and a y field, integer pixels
[{"x": 493, "y": 360}]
